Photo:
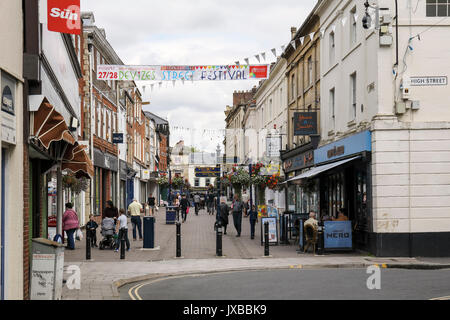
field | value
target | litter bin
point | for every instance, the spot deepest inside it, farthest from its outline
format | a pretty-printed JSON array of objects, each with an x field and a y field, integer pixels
[
  {"x": 47, "y": 265},
  {"x": 149, "y": 232},
  {"x": 171, "y": 214}
]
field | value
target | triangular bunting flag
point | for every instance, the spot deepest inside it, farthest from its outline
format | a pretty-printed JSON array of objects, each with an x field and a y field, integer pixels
[
  {"x": 257, "y": 58},
  {"x": 333, "y": 27},
  {"x": 274, "y": 51},
  {"x": 263, "y": 54},
  {"x": 143, "y": 89},
  {"x": 293, "y": 44},
  {"x": 160, "y": 84},
  {"x": 311, "y": 36},
  {"x": 344, "y": 21},
  {"x": 237, "y": 62},
  {"x": 302, "y": 39},
  {"x": 282, "y": 48},
  {"x": 246, "y": 60},
  {"x": 151, "y": 86},
  {"x": 322, "y": 32},
  {"x": 173, "y": 82},
  {"x": 355, "y": 18}
]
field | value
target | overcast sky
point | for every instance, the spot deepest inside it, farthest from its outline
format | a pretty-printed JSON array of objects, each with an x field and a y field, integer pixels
[{"x": 196, "y": 32}]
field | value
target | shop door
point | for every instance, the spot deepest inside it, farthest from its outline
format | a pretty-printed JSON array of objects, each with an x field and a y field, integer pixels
[
  {"x": 130, "y": 191},
  {"x": 2, "y": 232}
]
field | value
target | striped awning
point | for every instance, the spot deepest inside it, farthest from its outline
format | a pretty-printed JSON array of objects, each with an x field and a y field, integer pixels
[
  {"x": 77, "y": 161},
  {"x": 49, "y": 125}
]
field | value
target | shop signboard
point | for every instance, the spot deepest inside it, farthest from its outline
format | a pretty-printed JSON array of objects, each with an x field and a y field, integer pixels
[
  {"x": 273, "y": 232},
  {"x": 337, "y": 235},
  {"x": 64, "y": 16},
  {"x": 205, "y": 172},
  {"x": 345, "y": 147},
  {"x": 262, "y": 210},
  {"x": 300, "y": 161},
  {"x": 273, "y": 146},
  {"x": 305, "y": 123}
]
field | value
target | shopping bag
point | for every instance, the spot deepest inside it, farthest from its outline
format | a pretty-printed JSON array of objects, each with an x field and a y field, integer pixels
[
  {"x": 79, "y": 234},
  {"x": 187, "y": 210}
]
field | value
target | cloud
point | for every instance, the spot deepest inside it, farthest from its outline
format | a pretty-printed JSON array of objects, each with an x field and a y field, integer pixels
[{"x": 196, "y": 32}]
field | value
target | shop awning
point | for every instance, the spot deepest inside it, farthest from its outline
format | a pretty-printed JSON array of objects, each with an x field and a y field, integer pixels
[
  {"x": 77, "y": 161},
  {"x": 317, "y": 170},
  {"x": 49, "y": 125}
]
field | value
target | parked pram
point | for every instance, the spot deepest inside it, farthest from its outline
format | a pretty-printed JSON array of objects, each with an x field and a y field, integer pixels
[{"x": 109, "y": 234}]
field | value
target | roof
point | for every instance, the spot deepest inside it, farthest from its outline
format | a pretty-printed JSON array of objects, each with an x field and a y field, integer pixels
[{"x": 154, "y": 117}]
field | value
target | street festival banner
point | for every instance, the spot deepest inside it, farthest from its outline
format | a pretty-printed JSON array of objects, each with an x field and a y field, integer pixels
[{"x": 185, "y": 73}]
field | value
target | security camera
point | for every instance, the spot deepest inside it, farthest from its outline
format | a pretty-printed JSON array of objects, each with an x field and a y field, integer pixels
[{"x": 366, "y": 21}]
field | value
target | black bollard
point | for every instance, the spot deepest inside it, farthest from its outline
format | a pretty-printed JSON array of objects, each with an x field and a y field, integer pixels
[
  {"x": 219, "y": 240},
  {"x": 178, "y": 239},
  {"x": 122, "y": 246},
  {"x": 88, "y": 244},
  {"x": 266, "y": 238},
  {"x": 320, "y": 240}
]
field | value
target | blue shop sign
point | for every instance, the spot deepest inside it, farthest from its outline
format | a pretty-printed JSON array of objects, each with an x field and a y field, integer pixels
[
  {"x": 345, "y": 147},
  {"x": 337, "y": 234}
]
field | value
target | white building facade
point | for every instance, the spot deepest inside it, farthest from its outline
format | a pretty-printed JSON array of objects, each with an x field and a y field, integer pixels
[{"x": 385, "y": 124}]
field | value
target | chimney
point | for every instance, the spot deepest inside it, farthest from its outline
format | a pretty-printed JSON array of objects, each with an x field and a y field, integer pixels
[{"x": 293, "y": 32}]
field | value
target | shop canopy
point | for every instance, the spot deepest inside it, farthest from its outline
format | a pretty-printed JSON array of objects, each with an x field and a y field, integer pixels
[
  {"x": 49, "y": 125},
  {"x": 77, "y": 161},
  {"x": 317, "y": 170}
]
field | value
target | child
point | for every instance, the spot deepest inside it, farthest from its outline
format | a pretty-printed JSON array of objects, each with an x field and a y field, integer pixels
[
  {"x": 91, "y": 230},
  {"x": 123, "y": 230}
]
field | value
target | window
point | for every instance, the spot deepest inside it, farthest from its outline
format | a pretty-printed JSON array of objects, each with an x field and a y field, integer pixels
[
  {"x": 293, "y": 91},
  {"x": 208, "y": 182},
  {"x": 104, "y": 124},
  {"x": 332, "y": 114},
  {"x": 332, "y": 48},
  {"x": 438, "y": 8},
  {"x": 310, "y": 71},
  {"x": 197, "y": 182},
  {"x": 353, "y": 27},
  {"x": 353, "y": 96}
]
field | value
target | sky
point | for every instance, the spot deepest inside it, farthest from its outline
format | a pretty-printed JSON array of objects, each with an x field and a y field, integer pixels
[{"x": 196, "y": 32}]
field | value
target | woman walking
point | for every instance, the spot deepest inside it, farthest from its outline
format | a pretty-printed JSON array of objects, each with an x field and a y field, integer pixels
[{"x": 70, "y": 225}]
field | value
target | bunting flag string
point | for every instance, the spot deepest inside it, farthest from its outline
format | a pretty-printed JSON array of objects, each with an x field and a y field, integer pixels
[{"x": 257, "y": 58}]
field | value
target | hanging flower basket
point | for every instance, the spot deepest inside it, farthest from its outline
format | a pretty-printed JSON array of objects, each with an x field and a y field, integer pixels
[
  {"x": 177, "y": 182},
  {"x": 75, "y": 184},
  {"x": 239, "y": 177},
  {"x": 163, "y": 181},
  {"x": 274, "y": 181}
]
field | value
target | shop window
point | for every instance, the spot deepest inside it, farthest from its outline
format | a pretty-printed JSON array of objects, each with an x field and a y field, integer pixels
[
  {"x": 291, "y": 198},
  {"x": 336, "y": 193},
  {"x": 197, "y": 182},
  {"x": 361, "y": 198}
]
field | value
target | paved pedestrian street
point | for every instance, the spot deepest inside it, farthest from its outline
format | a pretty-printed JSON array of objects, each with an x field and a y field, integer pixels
[
  {"x": 198, "y": 241},
  {"x": 105, "y": 273}
]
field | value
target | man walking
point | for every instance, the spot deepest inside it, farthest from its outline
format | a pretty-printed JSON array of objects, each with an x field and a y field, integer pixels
[
  {"x": 135, "y": 209},
  {"x": 196, "y": 203},
  {"x": 224, "y": 211},
  {"x": 184, "y": 205},
  {"x": 237, "y": 214}
]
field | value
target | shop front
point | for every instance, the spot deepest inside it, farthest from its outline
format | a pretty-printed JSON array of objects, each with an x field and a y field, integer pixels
[
  {"x": 343, "y": 169},
  {"x": 106, "y": 170}
]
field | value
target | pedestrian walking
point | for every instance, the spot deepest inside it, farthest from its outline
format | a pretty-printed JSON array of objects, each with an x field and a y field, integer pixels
[
  {"x": 224, "y": 211},
  {"x": 70, "y": 224},
  {"x": 196, "y": 203},
  {"x": 237, "y": 214},
  {"x": 253, "y": 217},
  {"x": 135, "y": 209},
  {"x": 91, "y": 230},
  {"x": 184, "y": 205},
  {"x": 151, "y": 203},
  {"x": 123, "y": 231}
]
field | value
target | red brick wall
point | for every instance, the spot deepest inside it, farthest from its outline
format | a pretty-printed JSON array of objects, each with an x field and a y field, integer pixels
[{"x": 163, "y": 151}]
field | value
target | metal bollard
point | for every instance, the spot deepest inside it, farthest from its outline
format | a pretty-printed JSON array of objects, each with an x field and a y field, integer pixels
[
  {"x": 88, "y": 244},
  {"x": 320, "y": 240},
  {"x": 178, "y": 239},
  {"x": 266, "y": 238},
  {"x": 219, "y": 241},
  {"x": 122, "y": 246}
]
